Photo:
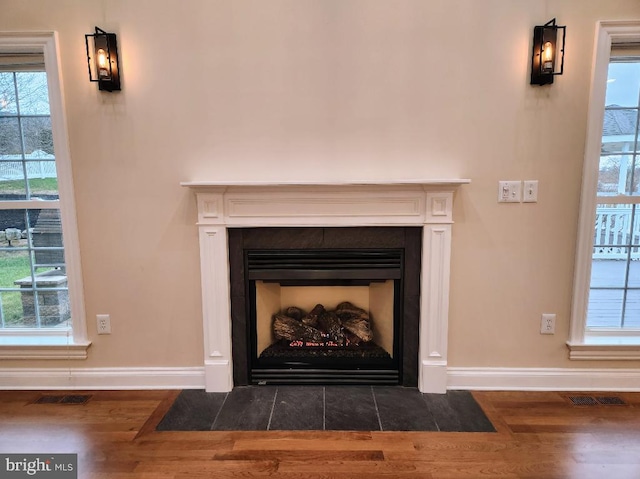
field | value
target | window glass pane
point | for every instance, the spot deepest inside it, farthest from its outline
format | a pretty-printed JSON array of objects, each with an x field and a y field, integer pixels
[
  {"x": 12, "y": 183},
  {"x": 33, "y": 96},
  {"x": 614, "y": 176},
  {"x": 607, "y": 273},
  {"x": 11, "y": 303},
  {"x": 53, "y": 299},
  {"x": 612, "y": 231},
  {"x": 632, "y": 309},
  {"x": 44, "y": 185},
  {"x": 38, "y": 140},
  {"x": 619, "y": 130},
  {"x": 12, "y": 220},
  {"x": 10, "y": 142},
  {"x": 634, "y": 265},
  {"x": 46, "y": 238},
  {"x": 16, "y": 266},
  {"x": 8, "y": 105},
  {"x": 605, "y": 308},
  {"x": 623, "y": 84},
  {"x": 634, "y": 269}
]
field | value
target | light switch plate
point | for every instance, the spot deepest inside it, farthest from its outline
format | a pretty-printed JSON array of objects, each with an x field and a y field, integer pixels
[
  {"x": 509, "y": 191},
  {"x": 530, "y": 191}
]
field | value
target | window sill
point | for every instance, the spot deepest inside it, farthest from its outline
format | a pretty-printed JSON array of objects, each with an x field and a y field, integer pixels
[
  {"x": 42, "y": 347},
  {"x": 606, "y": 348}
]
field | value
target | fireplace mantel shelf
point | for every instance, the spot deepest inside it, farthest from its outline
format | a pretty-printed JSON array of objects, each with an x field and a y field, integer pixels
[
  {"x": 425, "y": 203},
  {"x": 267, "y": 184}
]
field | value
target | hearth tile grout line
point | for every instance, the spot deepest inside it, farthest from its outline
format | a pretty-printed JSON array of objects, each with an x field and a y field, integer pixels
[
  {"x": 273, "y": 406},
  {"x": 219, "y": 411},
  {"x": 375, "y": 403},
  {"x": 324, "y": 409},
  {"x": 435, "y": 420}
]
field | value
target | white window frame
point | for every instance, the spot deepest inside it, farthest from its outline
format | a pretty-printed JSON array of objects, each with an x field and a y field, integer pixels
[
  {"x": 50, "y": 344},
  {"x": 614, "y": 345}
]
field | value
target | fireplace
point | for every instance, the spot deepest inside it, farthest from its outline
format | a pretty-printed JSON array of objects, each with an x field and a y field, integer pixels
[
  {"x": 325, "y": 305},
  {"x": 224, "y": 209}
]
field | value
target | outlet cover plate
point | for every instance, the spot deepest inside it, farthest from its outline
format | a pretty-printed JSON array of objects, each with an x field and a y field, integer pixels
[
  {"x": 104, "y": 323},
  {"x": 548, "y": 323}
]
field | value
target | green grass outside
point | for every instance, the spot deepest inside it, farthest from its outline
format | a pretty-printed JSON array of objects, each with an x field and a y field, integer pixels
[
  {"x": 36, "y": 185},
  {"x": 15, "y": 265}
]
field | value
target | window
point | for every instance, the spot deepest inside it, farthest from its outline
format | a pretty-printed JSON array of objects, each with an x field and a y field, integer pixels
[
  {"x": 41, "y": 308},
  {"x": 606, "y": 306},
  {"x": 614, "y": 296}
]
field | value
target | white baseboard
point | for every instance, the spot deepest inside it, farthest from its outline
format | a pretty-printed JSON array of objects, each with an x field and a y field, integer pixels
[
  {"x": 102, "y": 378},
  {"x": 543, "y": 379},
  {"x": 497, "y": 379}
]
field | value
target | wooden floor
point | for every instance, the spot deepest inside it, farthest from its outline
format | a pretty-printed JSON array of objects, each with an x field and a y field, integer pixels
[{"x": 539, "y": 435}]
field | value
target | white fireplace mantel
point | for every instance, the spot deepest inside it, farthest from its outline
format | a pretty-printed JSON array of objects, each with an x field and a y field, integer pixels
[{"x": 425, "y": 203}]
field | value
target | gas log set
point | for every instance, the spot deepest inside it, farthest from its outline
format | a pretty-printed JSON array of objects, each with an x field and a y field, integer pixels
[
  {"x": 346, "y": 325},
  {"x": 342, "y": 333}
]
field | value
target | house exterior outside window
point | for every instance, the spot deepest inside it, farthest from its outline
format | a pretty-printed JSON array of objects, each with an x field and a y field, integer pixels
[{"x": 41, "y": 306}]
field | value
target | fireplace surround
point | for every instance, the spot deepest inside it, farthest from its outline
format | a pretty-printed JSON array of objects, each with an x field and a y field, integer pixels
[
  {"x": 225, "y": 206},
  {"x": 319, "y": 269}
]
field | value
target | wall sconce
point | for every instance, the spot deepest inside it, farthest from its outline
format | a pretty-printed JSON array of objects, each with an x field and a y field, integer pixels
[
  {"x": 102, "y": 60},
  {"x": 547, "y": 60}
]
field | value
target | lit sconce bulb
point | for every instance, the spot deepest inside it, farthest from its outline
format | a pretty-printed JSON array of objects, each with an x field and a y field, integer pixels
[
  {"x": 103, "y": 64},
  {"x": 547, "y": 57},
  {"x": 102, "y": 58}
]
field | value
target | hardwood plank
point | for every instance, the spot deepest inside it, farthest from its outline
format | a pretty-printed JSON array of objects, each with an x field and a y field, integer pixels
[
  {"x": 328, "y": 444},
  {"x": 300, "y": 455}
]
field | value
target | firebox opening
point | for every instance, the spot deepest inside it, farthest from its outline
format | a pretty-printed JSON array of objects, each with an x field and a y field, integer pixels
[{"x": 273, "y": 301}]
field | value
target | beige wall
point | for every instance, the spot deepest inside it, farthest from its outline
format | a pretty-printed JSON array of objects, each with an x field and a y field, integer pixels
[{"x": 323, "y": 89}]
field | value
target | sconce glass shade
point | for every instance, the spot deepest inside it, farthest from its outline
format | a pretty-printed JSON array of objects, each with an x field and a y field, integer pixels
[
  {"x": 547, "y": 59},
  {"x": 102, "y": 59}
]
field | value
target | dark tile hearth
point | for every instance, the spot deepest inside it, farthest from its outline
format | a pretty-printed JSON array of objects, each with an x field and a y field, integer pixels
[{"x": 331, "y": 408}]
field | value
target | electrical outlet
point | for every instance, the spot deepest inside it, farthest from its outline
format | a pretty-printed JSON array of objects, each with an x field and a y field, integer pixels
[
  {"x": 104, "y": 323},
  {"x": 548, "y": 323}
]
